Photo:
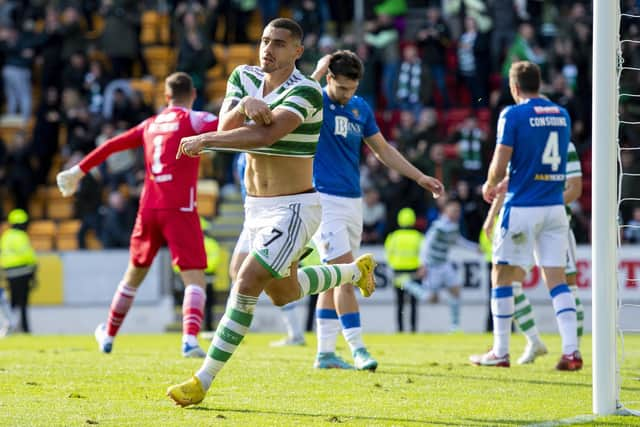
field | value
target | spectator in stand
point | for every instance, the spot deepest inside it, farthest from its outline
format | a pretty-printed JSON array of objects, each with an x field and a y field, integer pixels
[
  {"x": 631, "y": 231},
  {"x": 433, "y": 38},
  {"x": 561, "y": 59},
  {"x": 195, "y": 56},
  {"x": 140, "y": 110},
  {"x": 523, "y": 48},
  {"x": 72, "y": 32},
  {"x": 454, "y": 13},
  {"x": 20, "y": 178},
  {"x": 384, "y": 38},
  {"x": 563, "y": 95},
  {"x": 470, "y": 142},
  {"x": 87, "y": 201},
  {"x": 51, "y": 73},
  {"x": 236, "y": 14},
  {"x": 505, "y": 19},
  {"x": 582, "y": 43},
  {"x": 327, "y": 45},
  {"x": 18, "y": 49},
  {"x": 74, "y": 72},
  {"x": 373, "y": 174},
  {"x": 269, "y": 10},
  {"x": 46, "y": 134},
  {"x": 427, "y": 126},
  {"x": 94, "y": 84},
  {"x": 577, "y": 13},
  {"x": 311, "y": 54},
  {"x": 414, "y": 81},
  {"x": 473, "y": 62},
  {"x": 341, "y": 13},
  {"x": 76, "y": 120},
  {"x": 367, "y": 89},
  {"x": 472, "y": 209},
  {"x": 119, "y": 38},
  {"x": 403, "y": 133},
  {"x": 441, "y": 168},
  {"x": 417, "y": 153},
  {"x": 211, "y": 14},
  {"x": 311, "y": 15},
  {"x": 119, "y": 167},
  {"x": 121, "y": 106},
  {"x": 374, "y": 215},
  {"x": 117, "y": 222},
  {"x": 8, "y": 13},
  {"x": 400, "y": 192},
  {"x": 199, "y": 19}
]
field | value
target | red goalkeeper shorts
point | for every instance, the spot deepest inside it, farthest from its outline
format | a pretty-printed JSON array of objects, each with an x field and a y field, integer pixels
[{"x": 180, "y": 231}]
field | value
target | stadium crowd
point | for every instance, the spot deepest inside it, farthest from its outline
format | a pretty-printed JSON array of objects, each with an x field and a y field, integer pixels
[{"x": 436, "y": 76}]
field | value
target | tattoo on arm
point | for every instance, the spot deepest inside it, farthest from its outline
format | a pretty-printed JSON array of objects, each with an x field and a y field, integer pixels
[{"x": 229, "y": 106}]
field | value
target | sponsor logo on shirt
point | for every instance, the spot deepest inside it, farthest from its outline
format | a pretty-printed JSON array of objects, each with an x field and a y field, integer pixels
[
  {"x": 343, "y": 126},
  {"x": 549, "y": 177},
  {"x": 546, "y": 110}
]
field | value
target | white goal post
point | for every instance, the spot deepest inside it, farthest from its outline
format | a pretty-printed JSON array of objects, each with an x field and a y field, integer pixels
[{"x": 606, "y": 23}]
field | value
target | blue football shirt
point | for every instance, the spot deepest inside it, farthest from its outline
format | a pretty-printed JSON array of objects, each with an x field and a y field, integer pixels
[
  {"x": 539, "y": 132},
  {"x": 336, "y": 166}
]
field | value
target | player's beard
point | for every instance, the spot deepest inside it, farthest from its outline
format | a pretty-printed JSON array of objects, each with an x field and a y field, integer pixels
[{"x": 269, "y": 67}]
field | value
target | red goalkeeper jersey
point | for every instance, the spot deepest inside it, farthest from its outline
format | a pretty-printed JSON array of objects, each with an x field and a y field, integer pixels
[{"x": 168, "y": 183}]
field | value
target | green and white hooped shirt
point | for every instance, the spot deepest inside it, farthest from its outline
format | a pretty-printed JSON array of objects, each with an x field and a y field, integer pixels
[
  {"x": 299, "y": 94},
  {"x": 573, "y": 168}
]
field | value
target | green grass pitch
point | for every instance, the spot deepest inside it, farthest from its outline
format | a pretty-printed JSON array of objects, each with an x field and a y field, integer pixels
[{"x": 422, "y": 380}]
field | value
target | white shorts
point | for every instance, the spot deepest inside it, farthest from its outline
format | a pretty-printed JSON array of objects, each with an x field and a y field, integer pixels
[
  {"x": 571, "y": 254},
  {"x": 340, "y": 230},
  {"x": 529, "y": 235},
  {"x": 243, "y": 245},
  {"x": 441, "y": 276},
  {"x": 278, "y": 228}
]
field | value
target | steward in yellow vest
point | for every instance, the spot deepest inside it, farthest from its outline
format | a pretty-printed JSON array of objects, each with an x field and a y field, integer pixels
[
  {"x": 18, "y": 262},
  {"x": 402, "y": 249}
]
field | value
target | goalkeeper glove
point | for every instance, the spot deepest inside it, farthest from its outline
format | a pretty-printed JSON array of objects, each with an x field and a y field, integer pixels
[{"x": 68, "y": 180}]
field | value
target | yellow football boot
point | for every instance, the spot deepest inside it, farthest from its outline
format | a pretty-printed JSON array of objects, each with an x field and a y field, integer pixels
[
  {"x": 187, "y": 393},
  {"x": 367, "y": 282}
]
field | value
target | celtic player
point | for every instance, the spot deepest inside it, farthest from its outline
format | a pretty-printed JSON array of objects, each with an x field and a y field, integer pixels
[{"x": 274, "y": 113}]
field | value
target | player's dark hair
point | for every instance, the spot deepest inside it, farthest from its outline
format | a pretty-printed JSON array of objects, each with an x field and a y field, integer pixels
[
  {"x": 526, "y": 75},
  {"x": 346, "y": 63},
  {"x": 179, "y": 86},
  {"x": 288, "y": 24}
]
